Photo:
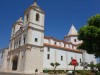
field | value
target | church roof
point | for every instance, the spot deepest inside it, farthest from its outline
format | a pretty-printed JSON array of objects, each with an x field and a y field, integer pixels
[
  {"x": 20, "y": 19},
  {"x": 72, "y": 31},
  {"x": 36, "y": 7},
  {"x": 35, "y": 4}
]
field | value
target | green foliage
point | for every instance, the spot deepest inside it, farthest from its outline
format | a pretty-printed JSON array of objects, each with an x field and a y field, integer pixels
[
  {"x": 70, "y": 63},
  {"x": 98, "y": 66},
  {"x": 94, "y": 21},
  {"x": 91, "y": 65},
  {"x": 98, "y": 73},
  {"x": 52, "y": 64},
  {"x": 82, "y": 72},
  {"x": 55, "y": 66},
  {"x": 57, "y": 71},
  {"x": 90, "y": 35}
]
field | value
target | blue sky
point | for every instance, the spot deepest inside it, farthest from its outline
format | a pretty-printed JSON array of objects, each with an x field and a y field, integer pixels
[{"x": 59, "y": 15}]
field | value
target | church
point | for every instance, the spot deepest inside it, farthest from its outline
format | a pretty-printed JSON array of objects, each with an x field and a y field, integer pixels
[{"x": 30, "y": 50}]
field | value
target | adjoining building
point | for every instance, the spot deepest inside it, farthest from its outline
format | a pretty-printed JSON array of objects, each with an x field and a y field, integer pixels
[{"x": 29, "y": 49}]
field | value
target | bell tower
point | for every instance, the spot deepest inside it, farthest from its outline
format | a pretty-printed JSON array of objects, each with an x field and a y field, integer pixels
[
  {"x": 72, "y": 36},
  {"x": 34, "y": 25},
  {"x": 34, "y": 20}
]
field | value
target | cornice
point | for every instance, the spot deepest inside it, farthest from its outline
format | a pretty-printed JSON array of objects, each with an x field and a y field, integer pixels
[
  {"x": 64, "y": 48},
  {"x": 16, "y": 35},
  {"x": 18, "y": 23},
  {"x": 35, "y": 24},
  {"x": 56, "y": 40},
  {"x": 33, "y": 28},
  {"x": 34, "y": 8},
  {"x": 70, "y": 36},
  {"x": 24, "y": 47}
]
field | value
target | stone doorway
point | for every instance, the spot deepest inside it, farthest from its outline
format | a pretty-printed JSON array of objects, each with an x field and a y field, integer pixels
[{"x": 14, "y": 63}]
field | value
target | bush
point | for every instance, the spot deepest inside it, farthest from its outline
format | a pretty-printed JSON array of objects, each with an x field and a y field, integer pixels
[
  {"x": 52, "y": 71},
  {"x": 82, "y": 72},
  {"x": 98, "y": 73}
]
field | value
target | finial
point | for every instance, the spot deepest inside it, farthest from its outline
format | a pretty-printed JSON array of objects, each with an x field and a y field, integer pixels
[
  {"x": 20, "y": 19},
  {"x": 72, "y": 24},
  {"x": 35, "y": 3}
]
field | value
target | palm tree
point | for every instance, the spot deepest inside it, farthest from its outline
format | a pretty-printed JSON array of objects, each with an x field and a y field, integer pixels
[{"x": 55, "y": 66}]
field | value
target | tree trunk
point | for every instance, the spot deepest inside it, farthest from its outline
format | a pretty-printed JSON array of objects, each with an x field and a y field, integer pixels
[
  {"x": 55, "y": 70},
  {"x": 74, "y": 70}
]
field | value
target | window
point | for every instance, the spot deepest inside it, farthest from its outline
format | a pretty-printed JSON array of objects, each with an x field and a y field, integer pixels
[
  {"x": 27, "y": 16},
  {"x": 36, "y": 39},
  {"x": 11, "y": 46},
  {"x": 74, "y": 40},
  {"x": 21, "y": 27},
  {"x": 24, "y": 39},
  {"x": 48, "y": 49},
  {"x": 71, "y": 58},
  {"x": 55, "y": 43},
  {"x": 13, "y": 30},
  {"x": 19, "y": 41},
  {"x": 37, "y": 17},
  {"x": 48, "y": 56},
  {"x": 61, "y": 58},
  {"x": 80, "y": 60}
]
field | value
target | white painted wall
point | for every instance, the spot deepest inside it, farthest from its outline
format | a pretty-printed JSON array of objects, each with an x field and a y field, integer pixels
[
  {"x": 89, "y": 58},
  {"x": 39, "y": 36},
  {"x": 46, "y": 62},
  {"x": 71, "y": 39},
  {"x": 63, "y": 63},
  {"x": 1, "y": 59},
  {"x": 55, "y": 56},
  {"x": 76, "y": 56},
  {"x": 46, "y": 41}
]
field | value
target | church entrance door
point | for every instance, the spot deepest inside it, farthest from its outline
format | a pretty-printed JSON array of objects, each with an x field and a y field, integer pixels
[{"x": 14, "y": 63}]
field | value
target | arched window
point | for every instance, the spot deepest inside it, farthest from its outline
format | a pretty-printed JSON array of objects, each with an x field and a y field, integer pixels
[
  {"x": 61, "y": 58},
  {"x": 75, "y": 40},
  {"x": 10, "y": 45},
  {"x": 27, "y": 17},
  {"x": 37, "y": 17},
  {"x": 24, "y": 38},
  {"x": 13, "y": 30},
  {"x": 20, "y": 41}
]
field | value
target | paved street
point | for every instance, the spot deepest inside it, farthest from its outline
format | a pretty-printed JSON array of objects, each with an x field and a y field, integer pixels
[{"x": 12, "y": 74}]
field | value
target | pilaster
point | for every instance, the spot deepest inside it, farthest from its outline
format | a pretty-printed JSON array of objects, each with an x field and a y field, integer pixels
[{"x": 4, "y": 66}]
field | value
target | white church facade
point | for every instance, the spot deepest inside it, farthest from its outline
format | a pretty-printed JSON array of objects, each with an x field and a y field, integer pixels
[{"x": 29, "y": 49}]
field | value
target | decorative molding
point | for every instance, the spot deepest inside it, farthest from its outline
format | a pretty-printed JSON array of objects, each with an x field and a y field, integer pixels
[
  {"x": 34, "y": 8},
  {"x": 35, "y": 24},
  {"x": 26, "y": 47},
  {"x": 63, "y": 48}
]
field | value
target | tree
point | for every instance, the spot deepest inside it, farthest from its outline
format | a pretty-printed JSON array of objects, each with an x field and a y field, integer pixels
[
  {"x": 92, "y": 66},
  {"x": 98, "y": 66},
  {"x": 55, "y": 66},
  {"x": 90, "y": 35},
  {"x": 74, "y": 63}
]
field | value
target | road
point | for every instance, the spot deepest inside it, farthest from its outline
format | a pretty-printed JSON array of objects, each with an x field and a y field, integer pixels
[{"x": 13, "y": 74}]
